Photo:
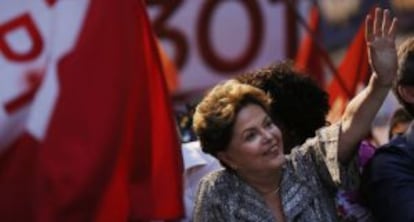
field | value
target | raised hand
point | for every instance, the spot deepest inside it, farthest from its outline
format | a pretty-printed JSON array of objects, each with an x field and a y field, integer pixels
[{"x": 382, "y": 53}]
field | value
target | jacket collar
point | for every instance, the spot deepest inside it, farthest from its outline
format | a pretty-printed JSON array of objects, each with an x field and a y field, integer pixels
[{"x": 295, "y": 194}]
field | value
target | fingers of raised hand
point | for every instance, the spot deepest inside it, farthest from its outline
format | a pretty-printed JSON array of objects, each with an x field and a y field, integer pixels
[
  {"x": 392, "y": 29},
  {"x": 385, "y": 22},
  {"x": 377, "y": 22},
  {"x": 381, "y": 26},
  {"x": 388, "y": 25},
  {"x": 369, "y": 29}
]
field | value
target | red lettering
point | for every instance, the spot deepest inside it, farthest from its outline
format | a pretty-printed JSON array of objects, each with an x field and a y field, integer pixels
[
  {"x": 26, "y": 22},
  {"x": 50, "y": 2},
  {"x": 33, "y": 79},
  {"x": 207, "y": 51},
  {"x": 174, "y": 35}
]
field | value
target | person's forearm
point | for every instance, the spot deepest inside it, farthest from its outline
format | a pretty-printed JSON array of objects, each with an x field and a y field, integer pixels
[{"x": 359, "y": 115}]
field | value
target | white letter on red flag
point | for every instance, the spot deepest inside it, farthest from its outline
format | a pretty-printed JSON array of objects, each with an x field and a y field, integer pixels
[{"x": 86, "y": 128}]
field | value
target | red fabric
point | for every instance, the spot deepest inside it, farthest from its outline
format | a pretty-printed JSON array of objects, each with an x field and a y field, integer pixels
[
  {"x": 111, "y": 151},
  {"x": 353, "y": 70},
  {"x": 307, "y": 58},
  {"x": 17, "y": 182}
]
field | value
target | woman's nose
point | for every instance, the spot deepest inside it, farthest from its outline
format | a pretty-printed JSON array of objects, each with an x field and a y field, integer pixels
[{"x": 267, "y": 135}]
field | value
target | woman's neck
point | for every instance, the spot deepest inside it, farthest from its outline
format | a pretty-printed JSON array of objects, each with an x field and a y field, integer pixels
[{"x": 263, "y": 182}]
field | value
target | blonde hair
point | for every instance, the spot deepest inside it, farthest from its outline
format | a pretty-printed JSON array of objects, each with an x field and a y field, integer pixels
[{"x": 215, "y": 115}]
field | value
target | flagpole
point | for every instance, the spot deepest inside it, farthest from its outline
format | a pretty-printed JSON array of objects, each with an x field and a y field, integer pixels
[
  {"x": 291, "y": 31},
  {"x": 324, "y": 54}
]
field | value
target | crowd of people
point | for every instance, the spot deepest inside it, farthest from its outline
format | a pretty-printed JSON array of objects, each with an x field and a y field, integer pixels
[{"x": 265, "y": 151}]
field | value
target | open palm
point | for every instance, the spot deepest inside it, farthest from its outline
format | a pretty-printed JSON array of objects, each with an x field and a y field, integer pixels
[{"x": 380, "y": 37}]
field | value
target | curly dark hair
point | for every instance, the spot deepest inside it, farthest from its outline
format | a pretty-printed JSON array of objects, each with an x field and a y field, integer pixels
[{"x": 299, "y": 106}]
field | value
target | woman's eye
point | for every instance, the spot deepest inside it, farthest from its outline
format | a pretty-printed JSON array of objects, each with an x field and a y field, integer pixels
[
  {"x": 268, "y": 124},
  {"x": 249, "y": 136}
]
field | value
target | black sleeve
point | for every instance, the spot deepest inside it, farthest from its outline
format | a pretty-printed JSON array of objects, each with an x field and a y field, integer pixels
[{"x": 389, "y": 185}]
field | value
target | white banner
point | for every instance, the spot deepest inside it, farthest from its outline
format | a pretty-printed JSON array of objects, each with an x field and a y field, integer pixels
[{"x": 212, "y": 40}]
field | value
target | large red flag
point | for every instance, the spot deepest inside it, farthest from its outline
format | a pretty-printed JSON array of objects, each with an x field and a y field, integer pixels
[
  {"x": 353, "y": 70},
  {"x": 96, "y": 139},
  {"x": 308, "y": 58}
]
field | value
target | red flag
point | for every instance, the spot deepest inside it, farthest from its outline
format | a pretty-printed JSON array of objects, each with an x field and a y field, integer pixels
[
  {"x": 354, "y": 70},
  {"x": 109, "y": 149},
  {"x": 307, "y": 58}
]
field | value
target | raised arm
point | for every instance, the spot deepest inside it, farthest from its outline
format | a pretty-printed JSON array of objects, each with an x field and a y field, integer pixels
[{"x": 362, "y": 109}]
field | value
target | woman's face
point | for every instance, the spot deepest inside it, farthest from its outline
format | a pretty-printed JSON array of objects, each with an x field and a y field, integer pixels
[{"x": 256, "y": 145}]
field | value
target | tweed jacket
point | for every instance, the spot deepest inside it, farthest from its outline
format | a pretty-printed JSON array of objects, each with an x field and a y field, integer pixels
[{"x": 309, "y": 180}]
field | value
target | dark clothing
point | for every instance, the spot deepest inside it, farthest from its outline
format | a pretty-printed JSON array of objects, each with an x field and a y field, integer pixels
[{"x": 388, "y": 181}]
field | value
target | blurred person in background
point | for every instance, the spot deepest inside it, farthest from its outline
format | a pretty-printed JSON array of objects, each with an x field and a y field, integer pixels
[
  {"x": 388, "y": 180},
  {"x": 197, "y": 164},
  {"x": 399, "y": 123}
]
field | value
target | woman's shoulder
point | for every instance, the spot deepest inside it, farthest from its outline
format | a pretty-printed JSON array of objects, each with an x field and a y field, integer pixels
[
  {"x": 325, "y": 138},
  {"x": 223, "y": 196},
  {"x": 219, "y": 186},
  {"x": 218, "y": 180}
]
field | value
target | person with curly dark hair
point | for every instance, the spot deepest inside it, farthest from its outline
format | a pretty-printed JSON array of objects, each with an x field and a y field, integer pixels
[{"x": 299, "y": 105}]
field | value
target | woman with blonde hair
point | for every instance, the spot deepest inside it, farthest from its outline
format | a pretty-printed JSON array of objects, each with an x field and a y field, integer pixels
[{"x": 260, "y": 183}]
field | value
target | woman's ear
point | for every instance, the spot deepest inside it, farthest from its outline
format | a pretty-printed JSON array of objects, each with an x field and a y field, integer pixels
[
  {"x": 226, "y": 158},
  {"x": 406, "y": 93}
]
